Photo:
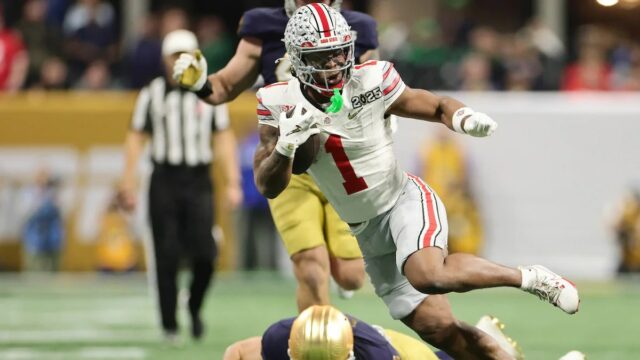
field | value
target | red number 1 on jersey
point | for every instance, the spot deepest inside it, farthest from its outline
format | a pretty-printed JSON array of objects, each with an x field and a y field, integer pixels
[{"x": 352, "y": 183}]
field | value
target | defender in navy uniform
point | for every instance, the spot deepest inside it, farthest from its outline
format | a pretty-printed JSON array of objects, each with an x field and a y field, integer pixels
[
  {"x": 317, "y": 240},
  {"x": 295, "y": 338},
  {"x": 350, "y": 338}
]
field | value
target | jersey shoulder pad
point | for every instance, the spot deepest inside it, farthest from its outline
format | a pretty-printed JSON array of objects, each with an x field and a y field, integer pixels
[
  {"x": 263, "y": 22},
  {"x": 369, "y": 73},
  {"x": 373, "y": 68},
  {"x": 369, "y": 66},
  {"x": 272, "y": 100},
  {"x": 378, "y": 74},
  {"x": 273, "y": 94}
]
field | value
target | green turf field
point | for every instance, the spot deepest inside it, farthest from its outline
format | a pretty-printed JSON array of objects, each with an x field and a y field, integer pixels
[{"x": 113, "y": 317}]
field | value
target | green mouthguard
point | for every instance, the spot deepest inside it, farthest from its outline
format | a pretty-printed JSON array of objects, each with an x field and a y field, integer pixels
[{"x": 336, "y": 102}]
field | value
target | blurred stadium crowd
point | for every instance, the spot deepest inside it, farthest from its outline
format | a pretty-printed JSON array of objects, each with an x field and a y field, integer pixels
[{"x": 67, "y": 44}]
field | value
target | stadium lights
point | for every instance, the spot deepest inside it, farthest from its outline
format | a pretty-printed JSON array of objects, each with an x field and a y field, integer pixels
[
  {"x": 607, "y": 2},
  {"x": 630, "y": 3},
  {"x": 623, "y": 3}
]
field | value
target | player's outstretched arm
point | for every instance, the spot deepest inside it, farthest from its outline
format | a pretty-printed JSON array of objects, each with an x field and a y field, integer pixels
[
  {"x": 247, "y": 349},
  {"x": 425, "y": 105},
  {"x": 240, "y": 73}
]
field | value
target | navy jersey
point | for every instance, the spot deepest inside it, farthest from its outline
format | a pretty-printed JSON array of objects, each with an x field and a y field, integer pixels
[
  {"x": 367, "y": 342},
  {"x": 268, "y": 25}
]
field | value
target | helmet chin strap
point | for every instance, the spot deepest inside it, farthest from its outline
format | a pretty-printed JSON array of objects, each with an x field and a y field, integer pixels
[
  {"x": 329, "y": 90},
  {"x": 323, "y": 86},
  {"x": 335, "y": 97}
]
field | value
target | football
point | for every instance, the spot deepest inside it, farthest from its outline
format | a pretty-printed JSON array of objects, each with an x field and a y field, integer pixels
[{"x": 306, "y": 154}]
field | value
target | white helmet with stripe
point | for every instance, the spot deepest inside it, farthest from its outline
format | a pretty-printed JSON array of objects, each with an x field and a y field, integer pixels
[
  {"x": 290, "y": 6},
  {"x": 317, "y": 30}
]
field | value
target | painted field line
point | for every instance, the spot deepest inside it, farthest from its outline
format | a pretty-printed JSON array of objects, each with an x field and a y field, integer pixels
[
  {"x": 74, "y": 335},
  {"x": 131, "y": 353}
]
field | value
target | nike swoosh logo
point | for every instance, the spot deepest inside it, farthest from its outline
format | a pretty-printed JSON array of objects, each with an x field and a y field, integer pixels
[{"x": 354, "y": 113}]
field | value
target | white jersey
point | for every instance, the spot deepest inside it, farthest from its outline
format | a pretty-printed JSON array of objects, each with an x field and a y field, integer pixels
[{"x": 355, "y": 168}]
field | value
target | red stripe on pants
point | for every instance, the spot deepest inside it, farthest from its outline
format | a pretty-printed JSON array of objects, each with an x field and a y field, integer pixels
[{"x": 431, "y": 214}]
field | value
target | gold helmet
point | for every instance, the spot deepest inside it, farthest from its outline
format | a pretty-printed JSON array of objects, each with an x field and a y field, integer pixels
[{"x": 321, "y": 333}]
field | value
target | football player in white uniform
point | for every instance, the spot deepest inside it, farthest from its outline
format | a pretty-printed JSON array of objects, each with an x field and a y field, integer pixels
[
  {"x": 319, "y": 243},
  {"x": 400, "y": 223}
]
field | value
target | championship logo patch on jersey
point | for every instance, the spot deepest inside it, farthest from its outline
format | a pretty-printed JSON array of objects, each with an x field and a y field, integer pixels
[{"x": 366, "y": 98}]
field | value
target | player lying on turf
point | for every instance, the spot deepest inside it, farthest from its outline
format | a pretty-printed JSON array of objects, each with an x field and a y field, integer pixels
[
  {"x": 400, "y": 223},
  {"x": 349, "y": 338}
]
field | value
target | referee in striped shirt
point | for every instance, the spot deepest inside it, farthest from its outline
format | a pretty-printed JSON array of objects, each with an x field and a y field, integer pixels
[{"x": 182, "y": 129}]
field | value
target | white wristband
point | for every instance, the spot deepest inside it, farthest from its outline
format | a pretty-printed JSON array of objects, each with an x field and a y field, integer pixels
[
  {"x": 460, "y": 115},
  {"x": 286, "y": 149}
]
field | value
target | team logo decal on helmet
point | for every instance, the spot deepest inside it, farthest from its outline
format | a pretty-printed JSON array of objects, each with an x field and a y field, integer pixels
[
  {"x": 321, "y": 333},
  {"x": 317, "y": 29}
]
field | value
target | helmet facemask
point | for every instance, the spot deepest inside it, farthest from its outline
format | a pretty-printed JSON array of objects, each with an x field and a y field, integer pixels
[
  {"x": 311, "y": 67},
  {"x": 317, "y": 35}
]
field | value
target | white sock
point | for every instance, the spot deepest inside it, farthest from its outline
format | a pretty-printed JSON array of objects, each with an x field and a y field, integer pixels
[{"x": 528, "y": 277}]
